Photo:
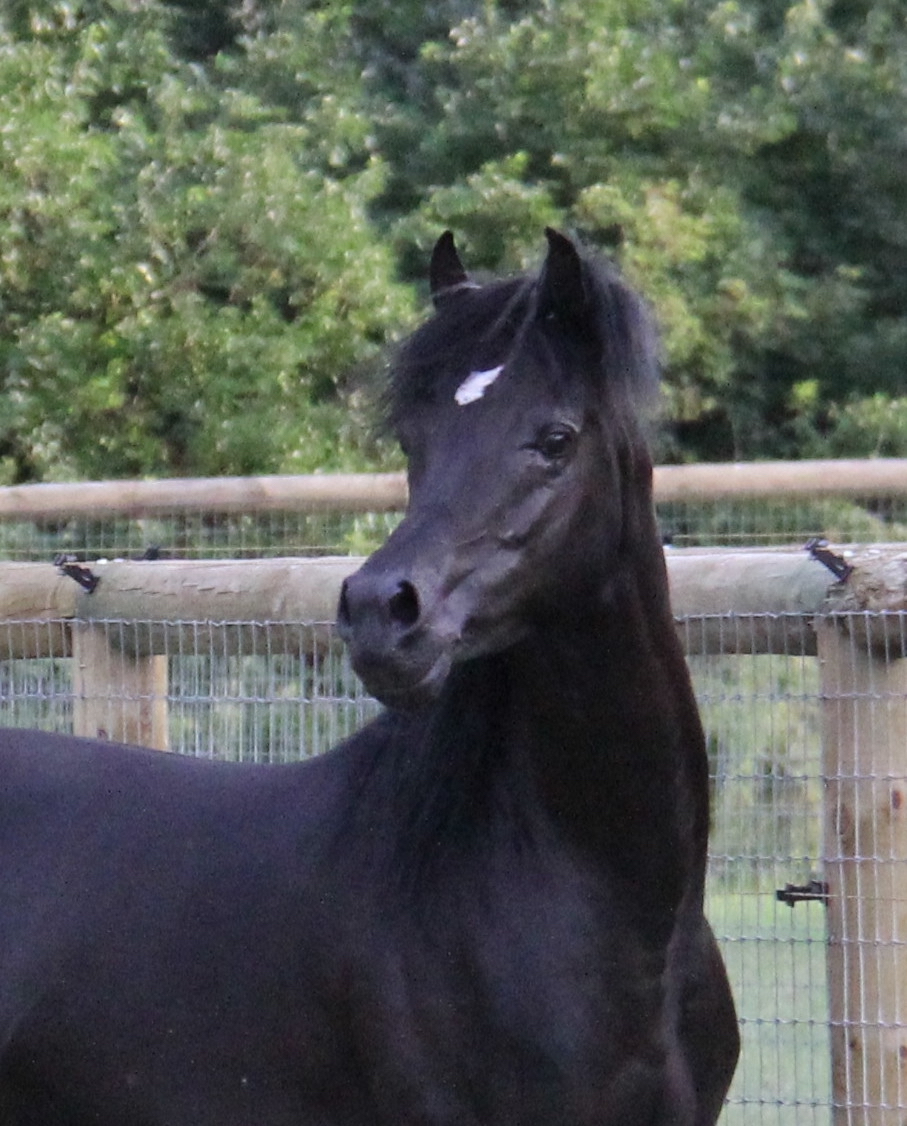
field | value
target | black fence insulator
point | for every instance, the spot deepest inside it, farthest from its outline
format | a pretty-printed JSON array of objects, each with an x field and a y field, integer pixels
[
  {"x": 816, "y": 891},
  {"x": 69, "y": 566},
  {"x": 837, "y": 564}
]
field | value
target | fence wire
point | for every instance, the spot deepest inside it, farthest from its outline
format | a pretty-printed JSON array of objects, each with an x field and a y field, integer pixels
[
  {"x": 196, "y": 535},
  {"x": 792, "y": 809},
  {"x": 762, "y": 718},
  {"x": 777, "y": 521},
  {"x": 695, "y": 522}
]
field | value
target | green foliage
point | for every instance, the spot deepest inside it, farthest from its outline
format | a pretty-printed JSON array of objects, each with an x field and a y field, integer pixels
[
  {"x": 188, "y": 278},
  {"x": 875, "y": 425},
  {"x": 206, "y": 211},
  {"x": 740, "y": 161}
]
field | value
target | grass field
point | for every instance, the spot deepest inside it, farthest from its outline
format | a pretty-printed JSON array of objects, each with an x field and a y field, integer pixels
[
  {"x": 762, "y": 721},
  {"x": 775, "y": 957}
]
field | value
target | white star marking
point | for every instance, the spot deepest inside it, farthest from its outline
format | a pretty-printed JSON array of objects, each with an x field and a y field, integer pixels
[{"x": 475, "y": 385}]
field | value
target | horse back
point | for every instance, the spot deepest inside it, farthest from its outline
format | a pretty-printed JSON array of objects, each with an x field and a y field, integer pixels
[{"x": 162, "y": 936}]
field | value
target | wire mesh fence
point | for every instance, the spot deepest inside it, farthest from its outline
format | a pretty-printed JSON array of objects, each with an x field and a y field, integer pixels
[
  {"x": 786, "y": 520},
  {"x": 196, "y": 535},
  {"x": 762, "y": 717},
  {"x": 212, "y": 535},
  {"x": 257, "y": 705}
]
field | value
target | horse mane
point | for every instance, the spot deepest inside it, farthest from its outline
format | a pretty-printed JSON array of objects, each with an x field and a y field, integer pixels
[
  {"x": 444, "y": 774},
  {"x": 477, "y": 328}
]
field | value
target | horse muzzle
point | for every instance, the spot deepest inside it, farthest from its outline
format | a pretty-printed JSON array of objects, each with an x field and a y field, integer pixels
[{"x": 402, "y": 659}]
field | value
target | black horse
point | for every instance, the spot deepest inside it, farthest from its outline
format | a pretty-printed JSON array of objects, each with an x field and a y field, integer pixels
[{"x": 484, "y": 909}]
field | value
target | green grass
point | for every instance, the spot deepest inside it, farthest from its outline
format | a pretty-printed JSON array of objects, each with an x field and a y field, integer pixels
[
  {"x": 775, "y": 956},
  {"x": 762, "y": 720}
]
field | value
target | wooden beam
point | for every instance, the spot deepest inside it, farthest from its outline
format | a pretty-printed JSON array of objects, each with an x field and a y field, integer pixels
[
  {"x": 384, "y": 492},
  {"x": 117, "y": 695},
  {"x": 864, "y": 747},
  {"x": 734, "y": 600},
  {"x": 747, "y": 601},
  {"x": 865, "y": 477},
  {"x": 36, "y": 602},
  {"x": 731, "y": 602},
  {"x": 339, "y": 492},
  {"x": 252, "y": 606}
]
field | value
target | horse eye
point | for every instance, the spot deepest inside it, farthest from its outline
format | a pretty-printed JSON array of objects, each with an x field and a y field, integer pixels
[{"x": 556, "y": 442}]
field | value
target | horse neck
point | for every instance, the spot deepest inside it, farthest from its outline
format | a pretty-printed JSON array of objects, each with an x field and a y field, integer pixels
[{"x": 601, "y": 699}]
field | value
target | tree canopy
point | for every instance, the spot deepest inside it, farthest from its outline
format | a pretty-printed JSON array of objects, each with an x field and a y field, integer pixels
[{"x": 216, "y": 216}]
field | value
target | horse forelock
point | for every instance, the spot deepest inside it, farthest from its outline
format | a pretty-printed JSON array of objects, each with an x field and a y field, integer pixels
[
  {"x": 477, "y": 330},
  {"x": 472, "y": 331}
]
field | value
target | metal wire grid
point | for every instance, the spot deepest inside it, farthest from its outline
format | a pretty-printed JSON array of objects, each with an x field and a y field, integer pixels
[
  {"x": 36, "y": 693},
  {"x": 197, "y": 535},
  {"x": 704, "y": 522},
  {"x": 263, "y": 706},
  {"x": 866, "y": 855},
  {"x": 763, "y": 716},
  {"x": 210, "y": 535}
]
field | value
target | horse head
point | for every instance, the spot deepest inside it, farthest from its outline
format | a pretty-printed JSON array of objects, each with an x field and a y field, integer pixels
[{"x": 515, "y": 407}]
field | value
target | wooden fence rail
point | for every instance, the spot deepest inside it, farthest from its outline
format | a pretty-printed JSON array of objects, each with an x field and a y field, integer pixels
[
  {"x": 149, "y": 598},
  {"x": 386, "y": 492},
  {"x": 336, "y": 492}
]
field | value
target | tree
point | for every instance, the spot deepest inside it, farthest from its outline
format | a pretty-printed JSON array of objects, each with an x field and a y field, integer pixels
[
  {"x": 189, "y": 276},
  {"x": 741, "y": 161},
  {"x": 207, "y": 210}
]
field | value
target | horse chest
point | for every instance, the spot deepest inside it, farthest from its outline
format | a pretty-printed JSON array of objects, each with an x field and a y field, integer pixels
[{"x": 521, "y": 1003}]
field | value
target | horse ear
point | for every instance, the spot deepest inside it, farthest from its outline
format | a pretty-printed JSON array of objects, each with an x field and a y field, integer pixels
[
  {"x": 562, "y": 290},
  {"x": 446, "y": 273}
]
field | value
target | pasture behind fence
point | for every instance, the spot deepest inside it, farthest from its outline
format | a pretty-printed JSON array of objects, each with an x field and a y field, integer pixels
[{"x": 805, "y": 720}]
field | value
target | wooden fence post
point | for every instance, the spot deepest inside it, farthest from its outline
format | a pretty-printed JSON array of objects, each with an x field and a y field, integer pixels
[
  {"x": 117, "y": 695},
  {"x": 864, "y": 719}
]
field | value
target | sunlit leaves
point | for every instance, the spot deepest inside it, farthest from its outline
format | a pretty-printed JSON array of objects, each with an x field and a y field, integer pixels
[
  {"x": 742, "y": 160},
  {"x": 203, "y": 215},
  {"x": 189, "y": 274}
]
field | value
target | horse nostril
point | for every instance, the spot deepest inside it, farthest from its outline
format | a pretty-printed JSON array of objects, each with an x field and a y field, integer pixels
[{"x": 404, "y": 605}]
